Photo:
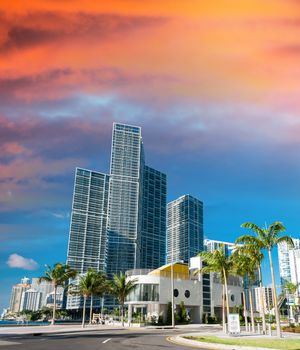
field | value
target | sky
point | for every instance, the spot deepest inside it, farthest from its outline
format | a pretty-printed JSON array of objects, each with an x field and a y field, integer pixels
[{"x": 214, "y": 86}]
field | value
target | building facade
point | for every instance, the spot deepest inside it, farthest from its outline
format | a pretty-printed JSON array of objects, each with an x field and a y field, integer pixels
[
  {"x": 268, "y": 302},
  {"x": 16, "y": 294},
  {"x": 87, "y": 238},
  {"x": 211, "y": 245},
  {"x": 30, "y": 300},
  {"x": 153, "y": 239},
  {"x": 184, "y": 228},
  {"x": 200, "y": 295},
  {"x": 289, "y": 262}
]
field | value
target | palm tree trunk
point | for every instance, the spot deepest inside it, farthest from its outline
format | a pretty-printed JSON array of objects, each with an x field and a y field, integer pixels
[
  {"x": 245, "y": 309},
  {"x": 83, "y": 311},
  {"x": 122, "y": 314},
  {"x": 91, "y": 310},
  {"x": 278, "y": 329},
  {"x": 251, "y": 310},
  {"x": 54, "y": 306},
  {"x": 226, "y": 294},
  {"x": 262, "y": 302},
  {"x": 223, "y": 308}
]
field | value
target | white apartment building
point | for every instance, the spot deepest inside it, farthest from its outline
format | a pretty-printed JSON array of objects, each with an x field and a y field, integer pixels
[
  {"x": 30, "y": 300},
  {"x": 211, "y": 245},
  {"x": 289, "y": 262},
  {"x": 267, "y": 300}
]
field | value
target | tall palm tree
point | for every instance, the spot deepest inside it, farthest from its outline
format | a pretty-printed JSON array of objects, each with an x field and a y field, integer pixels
[
  {"x": 244, "y": 266},
  {"x": 217, "y": 261},
  {"x": 253, "y": 251},
  {"x": 90, "y": 284},
  {"x": 99, "y": 288},
  {"x": 266, "y": 238},
  {"x": 58, "y": 275},
  {"x": 120, "y": 287}
]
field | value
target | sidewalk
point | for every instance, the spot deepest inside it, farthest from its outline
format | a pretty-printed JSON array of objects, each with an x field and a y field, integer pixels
[{"x": 55, "y": 329}]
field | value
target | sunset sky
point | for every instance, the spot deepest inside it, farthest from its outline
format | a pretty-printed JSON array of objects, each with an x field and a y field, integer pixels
[{"x": 215, "y": 86}]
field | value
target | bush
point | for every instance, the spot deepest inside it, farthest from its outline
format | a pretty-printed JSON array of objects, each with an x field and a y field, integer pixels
[{"x": 182, "y": 315}]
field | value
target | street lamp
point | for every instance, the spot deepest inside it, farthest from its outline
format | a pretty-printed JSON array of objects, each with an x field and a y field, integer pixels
[{"x": 172, "y": 281}]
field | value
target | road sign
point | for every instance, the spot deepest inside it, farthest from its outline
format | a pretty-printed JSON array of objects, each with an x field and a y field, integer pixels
[{"x": 234, "y": 324}]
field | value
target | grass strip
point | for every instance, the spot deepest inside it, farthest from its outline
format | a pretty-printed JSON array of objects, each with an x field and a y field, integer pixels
[{"x": 287, "y": 344}]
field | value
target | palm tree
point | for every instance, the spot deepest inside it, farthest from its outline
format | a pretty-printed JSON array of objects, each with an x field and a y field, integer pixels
[
  {"x": 266, "y": 239},
  {"x": 253, "y": 251},
  {"x": 217, "y": 261},
  {"x": 100, "y": 287},
  {"x": 244, "y": 266},
  {"x": 90, "y": 284},
  {"x": 58, "y": 275},
  {"x": 120, "y": 287},
  {"x": 291, "y": 289}
]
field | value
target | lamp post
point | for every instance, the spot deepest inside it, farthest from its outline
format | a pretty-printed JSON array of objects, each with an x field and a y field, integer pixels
[{"x": 172, "y": 282}]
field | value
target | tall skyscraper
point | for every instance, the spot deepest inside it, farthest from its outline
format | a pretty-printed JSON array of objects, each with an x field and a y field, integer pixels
[
  {"x": 87, "y": 239},
  {"x": 118, "y": 221},
  {"x": 185, "y": 228},
  {"x": 153, "y": 240},
  {"x": 125, "y": 193}
]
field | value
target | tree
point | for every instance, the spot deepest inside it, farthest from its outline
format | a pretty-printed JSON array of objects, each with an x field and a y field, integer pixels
[
  {"x": 253, "y": 251},
  {"x": 291, "y": 289},
  {"x": 266, "y": 239},
  {"x": 217, "y": 261},
  {"x": 120, "y": 287},
  {"x": 100, "y": 287},
  {"x": 58, "y": 275},
  {"x": 90, "y": 284},
  {"x": 244, "y": 266}
]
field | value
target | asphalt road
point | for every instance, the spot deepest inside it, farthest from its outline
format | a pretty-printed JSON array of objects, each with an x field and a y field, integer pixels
[{"x": 145, "y": 339}]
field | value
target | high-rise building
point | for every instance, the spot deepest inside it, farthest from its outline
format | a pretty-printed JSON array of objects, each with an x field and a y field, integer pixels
[
  {"x": 288, "y": 262},
  {"x": 46, "y": 289},
  {"x": 153, "y": 240},
  {"x": 185, "y": 228},
  {"x": 30, "y": 300},
  {"x": 87, "y": 239},
  {"x": 268, "y": 303},
  {"x": 16, "y": 294},
  {"x": 118, "y": 221},
  {"x": 125, "y": 194}
]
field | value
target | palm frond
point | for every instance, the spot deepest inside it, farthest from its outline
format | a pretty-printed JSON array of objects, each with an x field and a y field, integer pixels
[{"x": 286, "y": 239}]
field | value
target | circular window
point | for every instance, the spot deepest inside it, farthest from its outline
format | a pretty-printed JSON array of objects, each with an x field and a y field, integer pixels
[
  {"x": 176, "y": 293},
  {"x": 187, "y": 294},
  {"x": 232, "y": 297}
]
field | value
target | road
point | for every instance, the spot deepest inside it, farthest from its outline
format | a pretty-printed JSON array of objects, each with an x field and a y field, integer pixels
[{"x": 144, "y": 339}]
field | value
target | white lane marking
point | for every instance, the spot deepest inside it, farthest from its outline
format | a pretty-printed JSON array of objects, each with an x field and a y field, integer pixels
[{"x": 105, "y": 341}]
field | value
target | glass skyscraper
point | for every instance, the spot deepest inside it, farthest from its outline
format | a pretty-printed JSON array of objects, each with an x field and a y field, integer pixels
[
  {"x": 118, "y": 221},
  {"x": 125, "y": 193},
  {"x": 153, "y": 240},
  {"x": 185, "y": 228},
  {"x": 87, "y": 240}
]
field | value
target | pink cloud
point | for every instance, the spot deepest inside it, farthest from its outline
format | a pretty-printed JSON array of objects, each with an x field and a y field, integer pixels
[{"x": 19, "y": 262}]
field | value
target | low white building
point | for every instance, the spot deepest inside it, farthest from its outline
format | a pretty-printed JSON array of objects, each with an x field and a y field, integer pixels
[{"x": 201, "y": 294}]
